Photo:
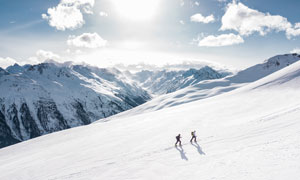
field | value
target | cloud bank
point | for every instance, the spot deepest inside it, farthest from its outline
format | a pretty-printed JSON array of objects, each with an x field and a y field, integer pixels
[
  {"x": 42, "y": 56},
  {"x": 5, "y": 62}
]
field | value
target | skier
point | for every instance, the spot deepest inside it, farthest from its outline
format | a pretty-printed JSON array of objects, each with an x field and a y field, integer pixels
[
  {"x": 193, "y": 133},
  {"x": 178, "y": 140}
]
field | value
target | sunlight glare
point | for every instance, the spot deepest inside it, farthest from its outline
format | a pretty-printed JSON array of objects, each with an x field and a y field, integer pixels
[{"x": 137, "y": 10}]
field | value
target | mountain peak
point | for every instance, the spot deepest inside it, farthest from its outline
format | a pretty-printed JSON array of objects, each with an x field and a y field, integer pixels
[{"x": 15, "y": 69}]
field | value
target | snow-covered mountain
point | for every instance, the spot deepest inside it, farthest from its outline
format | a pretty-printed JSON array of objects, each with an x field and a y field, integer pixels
[
  {"x": 208, "y": 88},
  {"x": 48, "y": 97},
  {"x": 167, "y": 81},
  {"x": 248, "y": 133}
]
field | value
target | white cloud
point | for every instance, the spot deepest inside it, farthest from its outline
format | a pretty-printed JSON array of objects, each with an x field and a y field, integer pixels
[
  {"x": 296, "y": 50},
  {"x": 68, "y": 14},
  {"x": 64, "y": 17},
  {"x": 181, "y": 22},
  {"x": 42, "y": 55},
  {"x": 102, "y": 13},
  {"x": 87, "y": 40},
  {"x": 246, "y": 21},
  {"x": 290, "y": 32},
  {"x": 199, "y": 18},
  {"x": 221, "y": 40},
  {"x": 197, "y": 3},
  {"x": 46, "y": 55},
  {"x": 5, "y": 62}
]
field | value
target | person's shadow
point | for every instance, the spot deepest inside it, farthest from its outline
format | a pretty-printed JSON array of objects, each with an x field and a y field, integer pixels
[
  {"x": 198, "y": 148},
  {"x": 182, "y": 153}
]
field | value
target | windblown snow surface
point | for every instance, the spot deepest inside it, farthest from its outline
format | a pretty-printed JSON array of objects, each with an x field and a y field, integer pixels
[{"x": 249, "y": 133}]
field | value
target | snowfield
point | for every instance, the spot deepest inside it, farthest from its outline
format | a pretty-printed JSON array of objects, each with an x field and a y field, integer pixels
[{"x": 252, "y": 132}]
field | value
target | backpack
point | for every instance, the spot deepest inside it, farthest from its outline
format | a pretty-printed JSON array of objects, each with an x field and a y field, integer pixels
[{"x": 192, "y": 133}]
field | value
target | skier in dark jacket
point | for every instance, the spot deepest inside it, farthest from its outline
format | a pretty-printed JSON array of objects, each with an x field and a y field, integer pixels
[
  {"x": 193, "y": 133},
  {"x": 178, "y": 140}
]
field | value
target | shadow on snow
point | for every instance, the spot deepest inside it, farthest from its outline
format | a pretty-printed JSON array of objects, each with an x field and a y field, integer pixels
[
  {"x": 198, "y": 148},
  {"x": 182, "y": 153}
]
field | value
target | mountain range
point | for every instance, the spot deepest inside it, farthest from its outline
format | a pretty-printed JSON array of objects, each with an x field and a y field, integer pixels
[{"x": 39, "y": 99}]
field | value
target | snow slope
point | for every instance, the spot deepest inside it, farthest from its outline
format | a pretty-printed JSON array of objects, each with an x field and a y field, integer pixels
[
  {"x": 249, "y": 133},
  {"x": 208, "y": 88}
]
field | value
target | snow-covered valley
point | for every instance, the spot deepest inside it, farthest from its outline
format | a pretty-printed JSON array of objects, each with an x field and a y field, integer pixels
[{"x": 250, "y": 132}]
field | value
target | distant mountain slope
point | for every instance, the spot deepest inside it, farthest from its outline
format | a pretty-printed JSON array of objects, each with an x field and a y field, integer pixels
[
  {"x": 245, "y": 134},
  {"x": 253, "y": 73},
  {"x": 167, "y": 81},
  {"x": 44, "y": 98},
  {"x": 208, "y": 88}
]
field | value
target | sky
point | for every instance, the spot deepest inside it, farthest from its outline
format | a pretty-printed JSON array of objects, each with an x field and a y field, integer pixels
[{"x": 236, "y": 33}]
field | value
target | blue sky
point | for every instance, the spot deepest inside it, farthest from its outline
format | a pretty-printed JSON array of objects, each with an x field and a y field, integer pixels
[{"x": 101, "y": 32}]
